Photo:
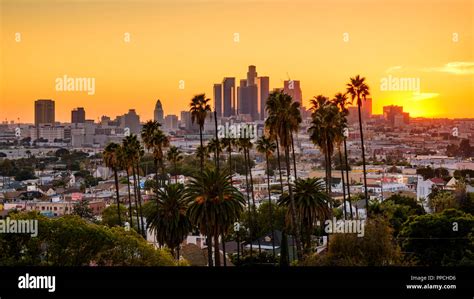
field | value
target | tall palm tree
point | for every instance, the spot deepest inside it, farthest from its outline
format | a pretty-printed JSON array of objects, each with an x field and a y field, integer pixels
[
  {"x": 228, "y": 144},
  {"x": 174, "y": 156},
  {"x": 134, "y": 152},
  {"x": 359, "y": 90},
  {"x": 280, "y": 119},
  {"x": 325, "y": 130},
  {"x": 311, "y": 202},
  {"x": 155, "y": 140},
  {"x": 215, "y": 147},
  {"x": 167, "y": 216},
  {"x": 214, "y": 204},
  {"x": 199, "y": 108},
  {"x": 341, "y": 101},
  {"x": 124, "y": 163},
  {"x": 267, "y": 147},
  {"x": 111, "y": 160}
]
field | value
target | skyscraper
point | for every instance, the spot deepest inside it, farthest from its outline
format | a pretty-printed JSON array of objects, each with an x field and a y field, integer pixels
[
  {"x": 366, "y": 109},
  {"x": 158, "y": 112},
  {"x": 249, "y": 94},
  {"x": 44, "y": 112},
  {"x": 218, "y": 99},
  {"x": 78, "y": 116},
  {"x": 131, "y": 120},
  {"x": 171, "y": 122},
  {"x": 263, "y": 92},
  {"x": 292, "y": 87},
  {"x": 228, "y": 92}
]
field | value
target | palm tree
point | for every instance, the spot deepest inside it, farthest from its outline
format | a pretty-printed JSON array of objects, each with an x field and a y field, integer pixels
[
  {"x": 199, "y": 107},
  {"x": 167, "y": 216},
  {"x": 324, "y": 131},
  {"x": 111, "y": 160},
  {"x": 228, "y": 144},
  {"x": 359, "y": 90},
  {"x": 341, "y": 101},
  {"x": 267, "y": 147},
  {"x": 214, "y": 205},
  {"x": 124, "y": 163},
  {"x": 134, "y": 153},
  {"x": 281, "y": 122},
  {"x": 174, "y": 156},
  {"x": 155, "y": 140},
  {"x": 311, "y": 202},
  {"x": 215, "y": 147}
]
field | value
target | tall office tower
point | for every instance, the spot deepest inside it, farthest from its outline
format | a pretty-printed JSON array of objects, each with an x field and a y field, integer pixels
[
  {"x": 171, "y": 122},
  {"x": 228, "y": 92},
  {"x": 158, "y": 113},
  {"x": 218, "y": 99},
  {"x": 44, "y": 112},
  {"x": 78, "y": 116},
  {"x": 249, "y": 95},
  {"x": 131, "y": 120},
  {"x": 242, "y": 84},
  {"x": 292, "y": 87},
  {"x": 395, "y": 115},
  {"x": 263, "y": 92},
  {"x": 366, "y": 109}
]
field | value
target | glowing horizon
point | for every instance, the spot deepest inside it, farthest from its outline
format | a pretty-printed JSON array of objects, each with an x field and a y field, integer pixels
[{"x": 193, "y": 40}]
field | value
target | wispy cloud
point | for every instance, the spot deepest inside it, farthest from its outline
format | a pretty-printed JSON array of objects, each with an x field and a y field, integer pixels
[
  {"x": 393, "y": 69},
  {"x": 419, "y": 96},
  {"x": 456, "y": 68}
]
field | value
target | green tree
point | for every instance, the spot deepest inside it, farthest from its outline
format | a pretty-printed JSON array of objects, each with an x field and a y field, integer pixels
[
  {"x": 174, "y": 156},
  {"x": 214, "y": 205},
  {"x": 110, "y": 216},
  {"x": 442, "y": 239},
  {"x": 82, "y": 209},
  {"x": 166, "y": 216},
  {"x": 312, "y": 205}
]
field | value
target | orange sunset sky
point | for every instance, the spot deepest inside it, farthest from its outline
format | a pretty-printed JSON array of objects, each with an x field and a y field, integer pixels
[{"x": 193, "y": 40}]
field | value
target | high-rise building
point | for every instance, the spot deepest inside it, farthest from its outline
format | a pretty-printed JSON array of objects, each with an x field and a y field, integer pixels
[
  {"x": 395, "y": 116},
  {"x": 242, "y": 84},
  {"x": 218, "y": 99},
  {"x": 44, "y": 112},
  {"x": 78, "y": 116},
  {"x": 228, "y": 92},
  {"x": 292, "y": 87},
  {"x": 158, "y": 112},
  {"x": 171, "y": 122},
  {"x": 263, "y": 92},
  {"x": 366, "y": 109},
  {"x": 249, "y": 94},
  {"x": 131, "y": 120}
]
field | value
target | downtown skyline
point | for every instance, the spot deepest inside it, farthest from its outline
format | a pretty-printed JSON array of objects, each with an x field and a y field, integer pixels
[{"x": 154, "y": 63}]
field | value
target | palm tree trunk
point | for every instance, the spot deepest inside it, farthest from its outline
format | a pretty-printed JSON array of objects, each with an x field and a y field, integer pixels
[
  {"x": 348, "y": 183},
  {"x": 157, "y": 177},
  {"x": 217, "y": 253},
  {"x": 202, "y": 157},
  {"x": 140, "y": 201},
  {"x": 129, "y": 200},
  {"x": 292, "y": 205},
  {"x": 329, "y": 167},
  {"x": 223, "y": 250},
  {"x": 270, "y": 206},
  {"x": 248, "y": 202},
  {"x": 139, "y": 226},
  {"x": 279, "y": 163},
  {"x": 294, "y": 156},
  {"x": 118, "y": 196},
  {"x": 363, "y": 160},
  {"x": 342, "y": 180},
  {"x": 253, "y": 203}
]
